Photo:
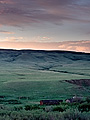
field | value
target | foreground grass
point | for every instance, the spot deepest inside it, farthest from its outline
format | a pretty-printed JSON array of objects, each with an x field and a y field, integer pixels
[
  {"x": 41, "y": 115},
  {"x": 64, "y": 111}
]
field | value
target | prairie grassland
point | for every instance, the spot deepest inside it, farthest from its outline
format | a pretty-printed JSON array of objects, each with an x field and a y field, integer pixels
[
  {"x": 36, "y": 84},
  {"x": 42, "y": 74}
]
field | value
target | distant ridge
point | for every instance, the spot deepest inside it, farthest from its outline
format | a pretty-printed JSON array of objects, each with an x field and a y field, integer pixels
[
  {"x": 60, "y": 51},
  {"x": 48, "y": 57}
]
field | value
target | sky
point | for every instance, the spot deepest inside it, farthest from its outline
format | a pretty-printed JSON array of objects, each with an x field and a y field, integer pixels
[{"x": 45, "y": 24}]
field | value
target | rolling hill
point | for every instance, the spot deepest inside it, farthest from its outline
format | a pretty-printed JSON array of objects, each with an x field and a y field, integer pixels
[
  {"x": 39, "y": 57},
  {"x": 39, "y": 74}
]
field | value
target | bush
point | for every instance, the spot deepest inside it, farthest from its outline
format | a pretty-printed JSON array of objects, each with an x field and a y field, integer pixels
[
  {"x": 88, "y": 99},
  {"x": 10, "y": 101},
  {"x": 32, "y": 107},
  {"x": 69, "y": 114},
  {"x": 58, "y": 108},
  {"x": 18, "y": 108},
  {"x": 48, "y": 109},
  {"x": 13, "y": 102},
  {"x": 85, "y": 107}
]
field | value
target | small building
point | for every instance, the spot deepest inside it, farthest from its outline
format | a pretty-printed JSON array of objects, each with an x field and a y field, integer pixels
[
  {"x": 74, "y": 100},
  {"x": 50, "y": 102},
  {"x": 69, "y": 100}
]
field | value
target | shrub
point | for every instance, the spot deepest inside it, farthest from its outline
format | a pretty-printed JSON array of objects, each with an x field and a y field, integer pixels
[
  {"x": 10, "y": 101},
  {"x": 13, "y": 102},
  {"x": 48, "y": 109},
  {"x": 88, "y": 99},
  {"x": 58, "y": 108},
  {"x": 32, "y": 107},
  {"x": 69, "y": 114},
  {"x": 18, "y": 108},
  {"x": 85, "y": 107}
]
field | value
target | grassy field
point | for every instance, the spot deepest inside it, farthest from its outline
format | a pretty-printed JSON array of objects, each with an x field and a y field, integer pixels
[{"x": 35, "y": 84}]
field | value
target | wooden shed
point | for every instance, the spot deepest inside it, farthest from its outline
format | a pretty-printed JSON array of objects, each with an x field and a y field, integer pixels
[{"x": 74, "y": 99}]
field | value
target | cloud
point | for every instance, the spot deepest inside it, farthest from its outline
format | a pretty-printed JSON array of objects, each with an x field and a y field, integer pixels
[
  {"x": 55, "y": 2},
  {"x": 28, "y": 45},
  {"x": 6, "y": 32},
  {"x": 79, "y": 46},
  {"x": 6, "y": 2},
  {"x": 24, "y": 12},
  {"x": 42, "y": 39},
  {"x": 12, "y": 39}
]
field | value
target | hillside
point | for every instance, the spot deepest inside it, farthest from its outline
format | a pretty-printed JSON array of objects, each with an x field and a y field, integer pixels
[
  {"x": 39, "y": 74},
  {"x": 40, "y": 57},
  {"x": 13, "y": 55},
  {"x": 46, "y": 60}
]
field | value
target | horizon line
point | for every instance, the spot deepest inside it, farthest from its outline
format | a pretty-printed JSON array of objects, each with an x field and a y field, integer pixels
[{"x": 15, "y": 49}]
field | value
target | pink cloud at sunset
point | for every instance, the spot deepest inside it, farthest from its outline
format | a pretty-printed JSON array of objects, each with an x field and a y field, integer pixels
[
  {"x": 78, "y": 46},
  {"x": 6, "y": 32}
]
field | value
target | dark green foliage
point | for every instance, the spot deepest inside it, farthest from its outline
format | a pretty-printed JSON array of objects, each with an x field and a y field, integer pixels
[
  {"x": 69, "y": 114},
  {"x": 85, "y": 107},
  {"x": 88, "y": 99},
  {"x": 10, "y": 101},
  {"x": 64, "y": 111},
  {"x": 32, "y": 107},
  {"x": 60, "y": 109},
  {"x": 2, "y": 96},
  {"x": 18, "y": 108},
  {"x": 28, "y": 107},
  {"x": 14, "y": 102},
  {"x": 23, "y": 98}
]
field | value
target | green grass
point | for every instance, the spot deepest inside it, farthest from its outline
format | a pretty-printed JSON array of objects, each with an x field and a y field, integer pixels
[
  {"x": 37, "y": 90},
  {"x": 18, "y": 80}
]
